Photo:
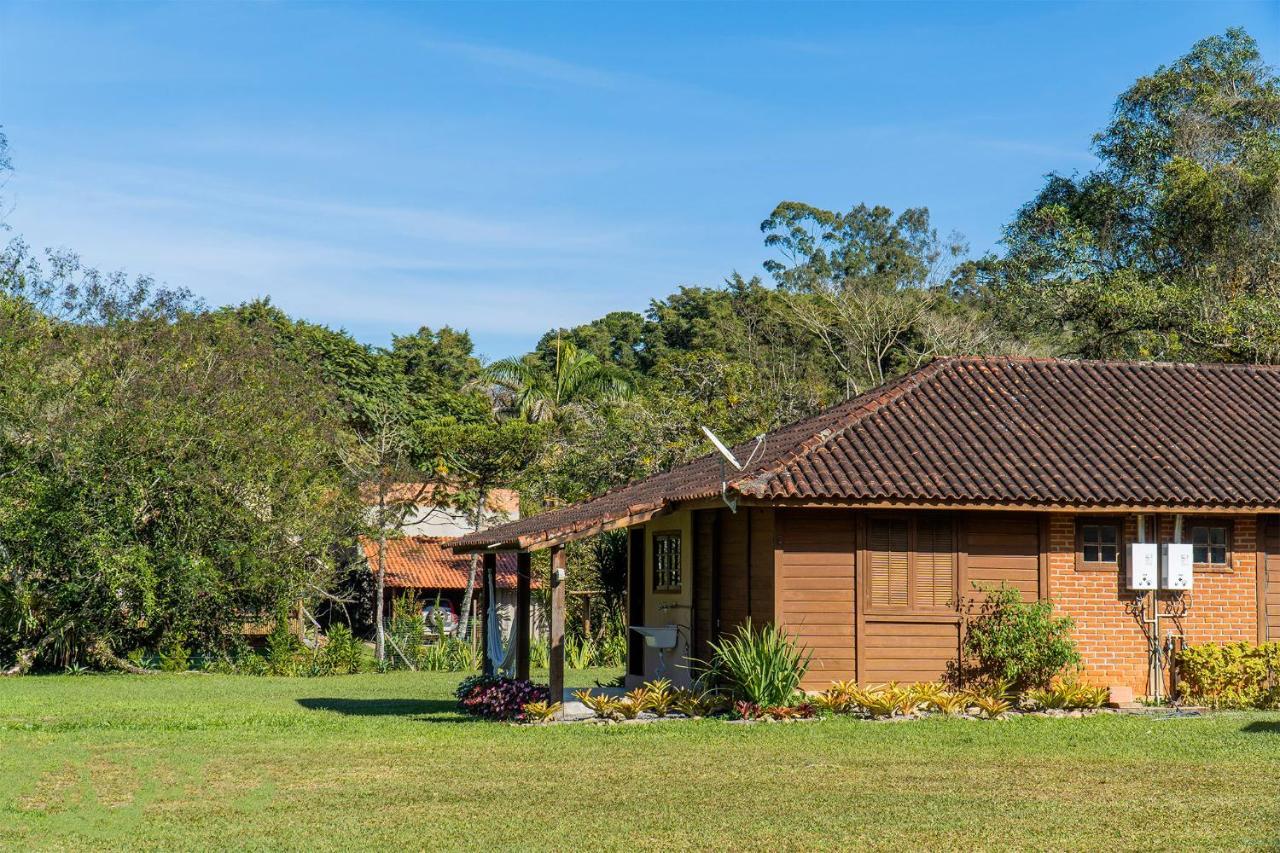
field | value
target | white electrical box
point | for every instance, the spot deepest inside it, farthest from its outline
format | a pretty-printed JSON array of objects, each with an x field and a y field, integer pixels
[
  {"x": 1175, "y": 566},
  {"x": 1143, "y": 568}
]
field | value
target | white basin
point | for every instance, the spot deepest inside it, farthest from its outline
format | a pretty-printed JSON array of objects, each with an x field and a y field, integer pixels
[{"x": 657, "y": 638}]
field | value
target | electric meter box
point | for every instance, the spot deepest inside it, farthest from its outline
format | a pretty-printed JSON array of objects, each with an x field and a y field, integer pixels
[
  {"x": 1143, "y": 569},
  {"x": 1175, "y": 566}
]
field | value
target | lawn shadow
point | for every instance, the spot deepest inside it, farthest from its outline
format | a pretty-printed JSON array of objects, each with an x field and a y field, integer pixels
[
  {"x": 1270, "y": 727},
  {"x": 426, "y": 710}
]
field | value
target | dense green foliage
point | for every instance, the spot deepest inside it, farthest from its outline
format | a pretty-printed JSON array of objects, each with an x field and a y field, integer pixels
[
  {"x": 166, "y": 473},
  {"x": 1171, "y": 249},
  {"x": 1235, "y": 675},
  {"x": 1018, "y": 644}
]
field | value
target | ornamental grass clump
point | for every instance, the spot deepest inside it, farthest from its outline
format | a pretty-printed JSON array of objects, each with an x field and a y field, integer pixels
[{"x": 761, "y": 666}]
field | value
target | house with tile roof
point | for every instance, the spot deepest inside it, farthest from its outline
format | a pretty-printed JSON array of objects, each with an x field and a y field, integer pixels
[
  {"x": 424, "y": 568},
  {"x": 1142, "y": 498}
]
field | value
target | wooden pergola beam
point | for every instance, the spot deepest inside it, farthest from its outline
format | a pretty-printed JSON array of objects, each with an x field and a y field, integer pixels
[
  {"x": 558, "y": 584},
  {"x": 524, "y": 584}
]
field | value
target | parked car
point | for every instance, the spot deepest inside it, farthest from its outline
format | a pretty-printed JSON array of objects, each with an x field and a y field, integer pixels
[{"x": 442, "y": 612}]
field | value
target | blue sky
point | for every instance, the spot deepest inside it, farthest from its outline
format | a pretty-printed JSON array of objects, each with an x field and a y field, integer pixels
[{"x": 507, "y": 168}]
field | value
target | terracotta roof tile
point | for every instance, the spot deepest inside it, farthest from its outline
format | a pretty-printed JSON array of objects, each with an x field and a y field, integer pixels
[
  {"x": 423, "y": 562},
  {"x": 995, "y": 431}
]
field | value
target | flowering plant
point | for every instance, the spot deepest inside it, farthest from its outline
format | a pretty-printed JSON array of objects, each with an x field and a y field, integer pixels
[{"x": 499, "y": 698}]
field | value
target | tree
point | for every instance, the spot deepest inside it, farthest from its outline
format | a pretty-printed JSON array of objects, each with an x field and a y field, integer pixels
[
  {"x": 474, "y": 459},
  {"x": 381, "y": 458},
  {"x": 871, "y": 287},
  {"x": 164, "y": 475},
  {"x": 539, "y": 391},
  {"x": 1172, "y": 248}
]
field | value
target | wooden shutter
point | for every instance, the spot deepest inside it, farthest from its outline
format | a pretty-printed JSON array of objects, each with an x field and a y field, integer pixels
[
  {"x": 935, "y": 577},
  {"x": 887, "y": 561}
]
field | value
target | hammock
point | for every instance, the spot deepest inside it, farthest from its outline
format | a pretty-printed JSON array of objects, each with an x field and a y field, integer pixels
[{"x": 501, "y": 654}]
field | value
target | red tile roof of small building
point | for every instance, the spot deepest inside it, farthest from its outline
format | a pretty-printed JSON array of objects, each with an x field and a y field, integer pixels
[
  {"x": 990, "y": 431},
  {"x": 423, "y": 562}
]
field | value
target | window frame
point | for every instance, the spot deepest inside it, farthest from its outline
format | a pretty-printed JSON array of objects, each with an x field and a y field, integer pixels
[
  {"x": 1083, "y": 521},
  {"x": 666, "y": 589},
  {"x": 1209, "y": 522},
  {"x": 911, "y": 608}
]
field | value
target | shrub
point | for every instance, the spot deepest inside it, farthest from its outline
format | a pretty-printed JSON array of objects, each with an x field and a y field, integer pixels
[
  {"x": 1022, "y": 644},
  {"x": 763, "y": 667},
  {"x": 175, "y": 658},
  {"x": 611, "y": 650},
  {"x": 539, "y": 655},
  {"x": 283, "y": 649},
  {"x": 992, "y": 707},
  {"x": 657, "y": 697},
  {"x": 602, "y": 704},
  {"x": 693, "y": 702},
  {"x": 499, "y": 698},
  {"x": 1235, "y": 675},
  {"x": 342, "y": 653},
  {"x": 542, "y": 712},
  {"x": 1067, "y": 693},
  {"x": 579, "y": 654}
]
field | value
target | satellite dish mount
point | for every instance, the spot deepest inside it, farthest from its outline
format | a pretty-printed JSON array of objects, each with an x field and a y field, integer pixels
[{"x": 727, "y": 457}]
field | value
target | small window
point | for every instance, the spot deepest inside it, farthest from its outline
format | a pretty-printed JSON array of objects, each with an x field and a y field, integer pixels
[
  {"x": 666, "y": 562},
  {"x": 1209, "y": 545},
  {"x": 1100, "y": 543}
]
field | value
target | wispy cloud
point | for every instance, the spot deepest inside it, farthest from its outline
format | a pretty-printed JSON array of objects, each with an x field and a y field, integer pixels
[{"x": 530, "y": 64}]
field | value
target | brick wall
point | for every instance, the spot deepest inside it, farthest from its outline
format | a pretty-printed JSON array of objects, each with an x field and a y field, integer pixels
[{"x": 1222, "y": 607}]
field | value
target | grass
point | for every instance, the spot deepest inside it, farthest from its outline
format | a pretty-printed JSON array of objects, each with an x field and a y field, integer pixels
[{"x": 378, "y": 761}]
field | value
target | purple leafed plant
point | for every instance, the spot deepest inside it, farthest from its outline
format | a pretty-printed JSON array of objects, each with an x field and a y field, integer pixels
[{"x": 500, "y": 698}]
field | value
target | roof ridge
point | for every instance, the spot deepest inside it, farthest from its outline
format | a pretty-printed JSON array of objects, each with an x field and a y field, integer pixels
[
  {"x": 1106, "y": 362},
  {"x": 877, "y": 398}
]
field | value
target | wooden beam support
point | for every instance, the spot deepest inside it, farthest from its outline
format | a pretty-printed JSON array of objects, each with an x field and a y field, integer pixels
[
  {"x": 558, "y": 583},
  {"x": 490, "y": 564},
  {"x": 524, "y": 583}
]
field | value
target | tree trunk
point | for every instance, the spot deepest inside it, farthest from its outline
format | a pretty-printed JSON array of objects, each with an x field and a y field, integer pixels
[
  {"x": 464, "y": 618},
  {"x": 107, "y": 659},
  {"x": 26, "y": 657},
  {"x": 380, "y": 637}
]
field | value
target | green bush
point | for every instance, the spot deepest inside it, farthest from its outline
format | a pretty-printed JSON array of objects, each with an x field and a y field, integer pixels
[
  {"x": 283, "y": 649},
  {"x": 1019, "y": 643},
  {"x": 1235, "y": 675},
  {"x": 175, "y": 658},
  {"x": 763, "y": 667}
]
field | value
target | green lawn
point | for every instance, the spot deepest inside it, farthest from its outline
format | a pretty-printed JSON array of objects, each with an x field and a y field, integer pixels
[{"x": 377, "y": 761}]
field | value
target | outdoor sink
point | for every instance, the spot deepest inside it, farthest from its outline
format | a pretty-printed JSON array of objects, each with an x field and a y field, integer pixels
[{"x": 657, "y": 638}]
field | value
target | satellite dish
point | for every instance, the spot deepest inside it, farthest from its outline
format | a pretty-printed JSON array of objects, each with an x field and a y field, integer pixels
[{"x": 724, "y": 451}]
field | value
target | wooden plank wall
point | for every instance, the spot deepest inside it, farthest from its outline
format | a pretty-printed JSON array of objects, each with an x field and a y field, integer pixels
[
  {"x": 815, "y": 577},
  {"x": 704, "y": 581},
  {"x": 735, "y": 590},
  {"x": 907, "y": 650},
  {"x": 763, "y": 541},
  {"x": 1270, "y": 598},
  {"x": 1000, "y": 548}
]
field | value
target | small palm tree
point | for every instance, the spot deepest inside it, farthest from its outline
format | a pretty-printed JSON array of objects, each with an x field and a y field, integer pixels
[{"x": 541, "y": 394}]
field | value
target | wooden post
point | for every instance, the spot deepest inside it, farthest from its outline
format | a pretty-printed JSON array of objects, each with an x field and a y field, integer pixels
[
  {"x": 490, "y": 564},
  {"x": 524, "y": 569},
  {"x": 556, "y": 680}
]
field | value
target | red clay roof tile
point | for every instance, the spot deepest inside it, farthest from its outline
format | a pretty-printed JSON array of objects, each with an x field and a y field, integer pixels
[{"x": 994, "y": 431}]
